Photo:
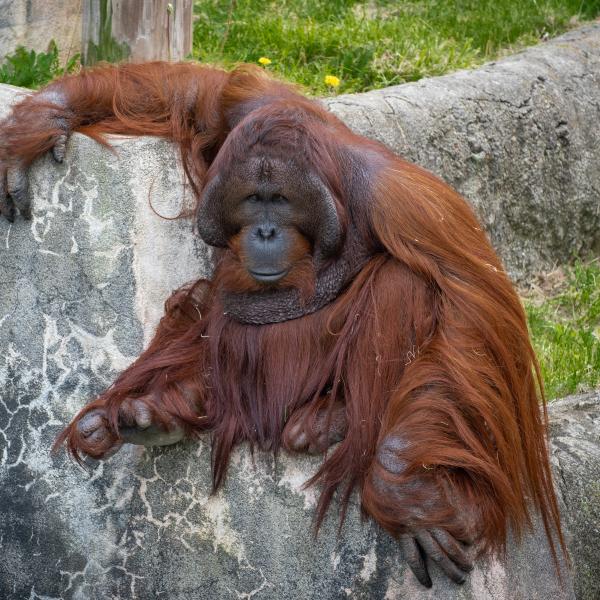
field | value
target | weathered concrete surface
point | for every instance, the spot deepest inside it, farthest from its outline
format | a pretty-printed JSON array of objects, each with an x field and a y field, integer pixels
[
  {"x": 575, "y": 434},
  {"x": 519, "y": 138},
  {"x": 81, "y": 288}
]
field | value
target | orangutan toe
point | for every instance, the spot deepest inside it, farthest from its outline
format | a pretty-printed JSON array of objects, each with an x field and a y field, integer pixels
[
  {"x": 136, "y": 426},
  {"x": 444, "y": 558},
  {"x": 59, "y": 150},
  {"x": 314, "y": 436},
  {"x": 297, "y": 440},
  {"x": 94, "y": 436},
  {"x": 413, "y": 556}
]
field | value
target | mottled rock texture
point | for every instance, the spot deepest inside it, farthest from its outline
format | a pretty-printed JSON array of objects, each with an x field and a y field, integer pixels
[
  {"x": 81, "y": 289},
  {"x": 575, "y": 435},
  {"x": 519, "y": 138},
  {"x": 33, "y": 23}
]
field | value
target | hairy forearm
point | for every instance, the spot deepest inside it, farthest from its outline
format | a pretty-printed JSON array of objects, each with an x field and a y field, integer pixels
[{"x": 168, "y": 100}]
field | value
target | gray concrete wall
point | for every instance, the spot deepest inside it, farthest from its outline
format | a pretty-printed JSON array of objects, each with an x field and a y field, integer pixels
[
  {"x": 82, "y": 287},
  {"x": 519, "y": 138}
]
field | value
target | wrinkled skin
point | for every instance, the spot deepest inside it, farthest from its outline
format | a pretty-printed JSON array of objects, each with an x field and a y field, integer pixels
[
  {"x": 454, "y": 556},
  {"x": 136, "y": 426},
  {"x": 329, "y": 428}
]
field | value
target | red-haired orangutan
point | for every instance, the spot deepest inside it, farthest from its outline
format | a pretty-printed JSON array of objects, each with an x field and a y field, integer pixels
[{"x": 355, "y": 300}]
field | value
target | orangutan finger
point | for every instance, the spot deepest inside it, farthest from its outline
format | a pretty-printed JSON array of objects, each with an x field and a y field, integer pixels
[
  {"x": 91, "y": 422},
  {"x": 338, "y": 424},
  {"x": 59, "y": 150},
  {"x": 143, "y": 414},
  {"x": 7, "y": 208},
  {"x": 18, "y": 188},
  {"x": 453, "y": 548},
  {"x": 434, "y": 551},
  {"x": 97, "y": 437},
  {"x": 412, "y": 555}
]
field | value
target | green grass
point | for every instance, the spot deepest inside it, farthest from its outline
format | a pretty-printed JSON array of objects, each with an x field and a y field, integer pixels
[
  {"x": 378, "y": 43},
  {"x": 366, "y": 44},
  {"x": 565, "y": 329},
  {"x": 30, "y": 69}
]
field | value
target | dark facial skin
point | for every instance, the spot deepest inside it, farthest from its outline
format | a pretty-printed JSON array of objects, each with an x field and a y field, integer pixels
[
  {"x": 266, "y": 238},
  {"x": 269, "y": 205}
]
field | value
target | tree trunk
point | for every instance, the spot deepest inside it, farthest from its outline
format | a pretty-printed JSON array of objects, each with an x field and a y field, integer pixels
[{"x": 136, "y": 31}]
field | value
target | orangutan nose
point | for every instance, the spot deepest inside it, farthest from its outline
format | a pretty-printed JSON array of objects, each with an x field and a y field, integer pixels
[{"x": 266, "y": 232}]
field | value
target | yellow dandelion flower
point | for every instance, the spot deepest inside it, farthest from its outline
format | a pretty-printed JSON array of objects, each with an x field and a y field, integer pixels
[
  {"x": 264, "y": 61},
  {"x": 332, "y": 80}
]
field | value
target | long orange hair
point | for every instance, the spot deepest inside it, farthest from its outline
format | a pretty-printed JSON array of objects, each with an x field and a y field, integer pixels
[{"x": 429, "y": 339}]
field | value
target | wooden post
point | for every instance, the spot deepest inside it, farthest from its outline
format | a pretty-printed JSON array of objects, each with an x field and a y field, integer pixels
[{"x": 136, "y": 30}]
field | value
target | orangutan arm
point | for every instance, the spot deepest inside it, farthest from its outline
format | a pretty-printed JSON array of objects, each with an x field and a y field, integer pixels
[
  {"x": 159, "y": 399},
  {"x": 175, "y": 101},
  {"x": 193, "y": 105},
  {"x": 461, "y": 455}
]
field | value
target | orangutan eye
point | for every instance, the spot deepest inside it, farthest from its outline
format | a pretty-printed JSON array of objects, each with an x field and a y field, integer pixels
[{"x": 272, "y": 198}]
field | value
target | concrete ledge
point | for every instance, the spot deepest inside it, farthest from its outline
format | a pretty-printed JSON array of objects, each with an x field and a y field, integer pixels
[
  {"x": 518, "y": 138},
  {"x": 82, "y": 287}
]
